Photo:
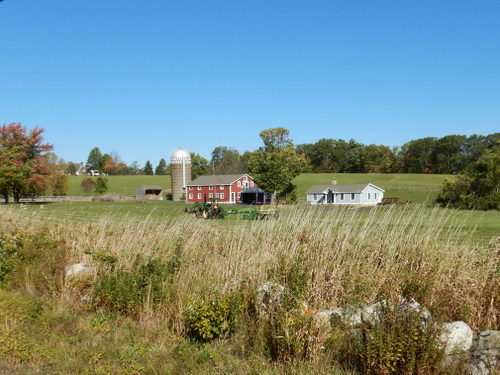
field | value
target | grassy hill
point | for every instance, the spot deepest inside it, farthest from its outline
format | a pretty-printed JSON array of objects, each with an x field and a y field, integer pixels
[
  {"x": 124, "y": 185},
  {"x": 414, "y": 187}
]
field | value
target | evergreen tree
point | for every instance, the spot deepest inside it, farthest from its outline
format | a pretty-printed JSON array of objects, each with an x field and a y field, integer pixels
[
  {"x": 94, "y": 161},
  {"x": 161, "y": 168},
  {"x": 148, "y": 168}
]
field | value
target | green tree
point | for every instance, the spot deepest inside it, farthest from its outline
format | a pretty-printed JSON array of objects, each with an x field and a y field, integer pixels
[
  {"x": 24, "y": 169},
  {"x": 276, "y": 164},
  {"x": 199, "y": 166},
  {"x": 71, "y": 169},
  {"x": 161, "y": 168},
  {"x": 101, "y": 185},
  {"x": 148, "y": 168},
  {"x": 227, "y": 160},
  {"x": 94, "y": 161},
  {"x": 478, "y": 187}
]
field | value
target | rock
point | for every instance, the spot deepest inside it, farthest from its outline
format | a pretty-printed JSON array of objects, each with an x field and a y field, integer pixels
[
  {"x": 373, "y": 314},
  {"x": 269, "y": 298},
  {"x": 77, "y": 269},
  {"x": 485, "y": 354},
  {"x": 323, "y": 317},
  {"x": 410, "y": 305},
  {"x": 349, "y": 315},
  {"x": 456, "y": 338}
]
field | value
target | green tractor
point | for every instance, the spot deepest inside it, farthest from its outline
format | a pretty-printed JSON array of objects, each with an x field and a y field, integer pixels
[{"x": 214, "y": 210}]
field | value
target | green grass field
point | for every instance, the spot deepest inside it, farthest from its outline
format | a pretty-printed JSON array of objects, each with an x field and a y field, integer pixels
[{"x": 414, "y": 187}]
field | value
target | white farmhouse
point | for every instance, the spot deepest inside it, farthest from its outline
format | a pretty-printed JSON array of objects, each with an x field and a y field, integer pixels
[{"x": 349, "y": 194}]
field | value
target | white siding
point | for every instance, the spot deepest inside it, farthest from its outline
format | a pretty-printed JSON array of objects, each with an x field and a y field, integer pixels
[{"x": 372, "y": 190}]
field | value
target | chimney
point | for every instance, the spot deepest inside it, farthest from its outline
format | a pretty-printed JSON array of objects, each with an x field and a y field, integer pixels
[{"x": 334, "y": 181}]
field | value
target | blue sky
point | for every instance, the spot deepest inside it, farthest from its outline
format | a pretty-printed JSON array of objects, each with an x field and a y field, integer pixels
[{"x": 143, "y": 77}]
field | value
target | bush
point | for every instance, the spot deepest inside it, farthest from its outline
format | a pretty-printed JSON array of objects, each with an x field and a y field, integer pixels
[
  {"x": 128, "y": 291},
  {"x": 399, "y": 343},
  {"x": 87, "y": 185},
  {"x": 101, "y": 185},
  {"x": 31, "y": 261},
  {"x": 212, "y": 318}
]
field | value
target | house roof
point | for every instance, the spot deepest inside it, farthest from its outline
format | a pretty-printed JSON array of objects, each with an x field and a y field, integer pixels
[
  {"x": 218, "y": 179},
  {"x": 340, "y": 188}
]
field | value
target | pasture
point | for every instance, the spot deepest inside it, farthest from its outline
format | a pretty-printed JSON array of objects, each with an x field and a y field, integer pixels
[{"x": 414, "y": 187}]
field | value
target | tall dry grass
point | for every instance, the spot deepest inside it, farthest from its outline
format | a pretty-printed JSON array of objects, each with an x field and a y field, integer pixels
[{"x": 348, "y": 256}]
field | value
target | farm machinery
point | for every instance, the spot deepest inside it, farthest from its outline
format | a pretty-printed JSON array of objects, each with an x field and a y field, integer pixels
[{"x": 216, "y": 211}]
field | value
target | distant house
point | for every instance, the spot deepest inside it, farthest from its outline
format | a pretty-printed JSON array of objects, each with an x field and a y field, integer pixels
[
  {"x": 229, "y": 188},
  {"x": 148, "y": 192},
  {"x": 348, "y": 194}
]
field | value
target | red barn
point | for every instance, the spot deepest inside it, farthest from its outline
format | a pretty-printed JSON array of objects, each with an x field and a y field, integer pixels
[{"x": 228, "y": 188}]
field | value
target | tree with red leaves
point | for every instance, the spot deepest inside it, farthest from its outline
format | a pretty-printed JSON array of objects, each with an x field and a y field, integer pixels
[{"x": 24, "y": 169}]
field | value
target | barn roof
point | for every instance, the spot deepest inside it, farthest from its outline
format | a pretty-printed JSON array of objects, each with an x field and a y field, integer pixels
[
  {"x": 150, "y": 187},
  {"x": 340, "y": 188},
  {"x": 218, "y": 179}
]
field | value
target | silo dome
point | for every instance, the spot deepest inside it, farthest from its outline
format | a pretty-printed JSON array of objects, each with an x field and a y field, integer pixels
[{"x": 179, "y": 155}]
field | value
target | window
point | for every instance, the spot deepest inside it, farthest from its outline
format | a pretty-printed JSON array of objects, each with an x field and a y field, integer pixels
[
  {"x": 190, "y": 188},
  {"x": 238, "y": 183},
  {"x": 239, "y": 196},
  {"x": 216, "y": 195},
  {"x": 368, "y": 195},
  {"x": 375, "y": 195},
  {"x": 199, "y": 187},
  {"x": 210, "y": 195},
  {"x": 190, "y": 195},
  {"x": 221, "y": 187},
  {"x": 199, "y": 195},
  {"x": 342, "y": 196},
  {"x": 211, "y": 187},
  {"x": 315, "y": 197},
  {"x": 251, "y": 183},
  {"x": 221, "y": 195},
  {"x": 352, "y": 196}
]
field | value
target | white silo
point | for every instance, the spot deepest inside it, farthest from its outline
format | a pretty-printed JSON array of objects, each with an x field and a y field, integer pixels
[{"x": 180, "y": 168}]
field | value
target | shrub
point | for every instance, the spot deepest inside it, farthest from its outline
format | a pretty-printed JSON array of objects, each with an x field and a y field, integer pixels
[
  {"x": 101, "y": 185},
  {"x": 399, "y": 343},
  {"x": 31, "y": 261},
  {"x": 128, "y": 291},
  {"x": 212, "y": 318},
  {"x": 87, "y": 185}
]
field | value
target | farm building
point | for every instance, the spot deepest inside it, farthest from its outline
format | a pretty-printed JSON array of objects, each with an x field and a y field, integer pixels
[
  {"x": 232, "y": 188},
  {"x": 148, "y": 192},
  {"x": 349, "y": 194}
]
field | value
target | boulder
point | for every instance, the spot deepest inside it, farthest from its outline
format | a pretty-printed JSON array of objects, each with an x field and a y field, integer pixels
[
  {"x": 485, "y": 354},
  {"x": 269, "y": 298},
  {"x": 411, "y": 306},
  {"x": 456, "y": 338},
  {"x": 77, "y": 269}
]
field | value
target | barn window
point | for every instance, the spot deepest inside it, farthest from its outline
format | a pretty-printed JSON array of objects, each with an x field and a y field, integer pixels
[
  {"x": 352, "y": 196},
  {"x": 211, "y": 187},
  {"x": 210, "y": 195},
  {"x": 221, "y": 187},
  {"x": 221, "y": 195},
  {"x": 190, "y": 195},
  {"x": 199, "y": 195},
  {"x": 190, "y": 188},
  {"x": 199, "y": 187},
  {"x": 216, "y": 195},
  {"x": 238, "y": 183}
]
